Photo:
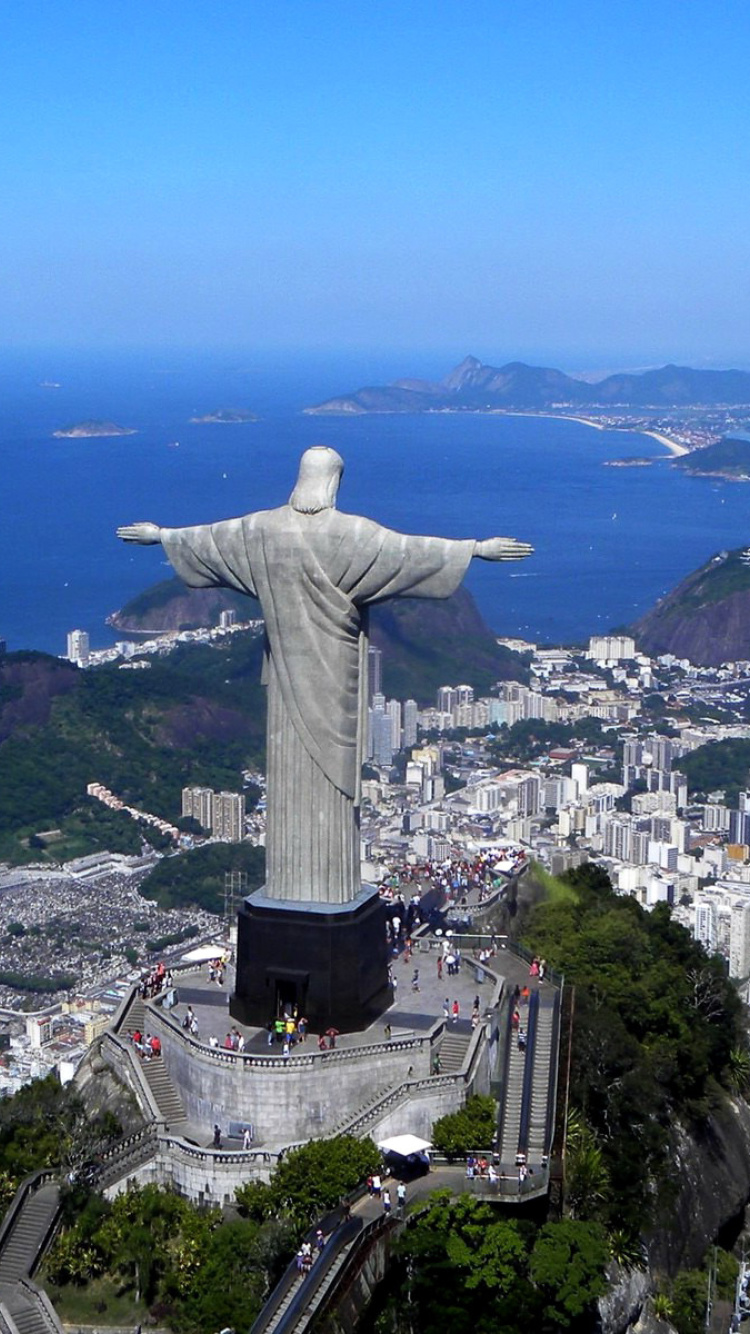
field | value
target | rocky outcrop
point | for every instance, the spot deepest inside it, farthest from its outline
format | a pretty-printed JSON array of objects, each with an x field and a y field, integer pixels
[
  {"x": 711, "y": 1187},
  {"x": 621, "y": 1308},
  {"x": 102, "y": 1091}
]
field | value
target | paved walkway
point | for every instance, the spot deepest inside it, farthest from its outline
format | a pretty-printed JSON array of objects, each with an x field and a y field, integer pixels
[{"x": 413, "y": 1012}]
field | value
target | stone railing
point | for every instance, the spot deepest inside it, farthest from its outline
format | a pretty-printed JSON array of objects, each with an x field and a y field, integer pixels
[
  {"x": 430, "y": 1083},
  {"x": 119, "y": 1054},
  {"x": 310, "y": 1058}
]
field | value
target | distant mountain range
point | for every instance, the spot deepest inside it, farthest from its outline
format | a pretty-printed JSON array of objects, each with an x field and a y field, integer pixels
[{"x": 474, "y": 387}]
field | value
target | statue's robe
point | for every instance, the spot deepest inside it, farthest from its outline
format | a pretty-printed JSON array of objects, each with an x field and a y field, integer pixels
[{"x": 315, "y": 575}]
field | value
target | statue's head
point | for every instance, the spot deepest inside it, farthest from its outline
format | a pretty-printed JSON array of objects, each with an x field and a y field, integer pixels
[{"x": 320, "y": 470}]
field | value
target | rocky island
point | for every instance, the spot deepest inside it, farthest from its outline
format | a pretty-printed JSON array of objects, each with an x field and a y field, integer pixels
[
  {"x": 82, "y": 430},
  {"x": 224, "y": 417}
]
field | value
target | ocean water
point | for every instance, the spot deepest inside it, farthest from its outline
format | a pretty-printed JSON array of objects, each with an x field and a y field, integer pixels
[{"x": 609, "y": 541}]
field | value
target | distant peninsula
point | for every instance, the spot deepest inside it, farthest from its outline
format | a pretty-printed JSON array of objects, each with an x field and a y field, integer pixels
[
  {"x": 81, "y": 430},
  {"x": 474, "y": 387},
  {"x": 224, "y": 417},
  {"x": 728, "y": 458}
]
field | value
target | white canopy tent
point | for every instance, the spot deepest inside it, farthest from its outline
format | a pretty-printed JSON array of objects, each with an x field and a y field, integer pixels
[{"x": 404, "y": 1145}]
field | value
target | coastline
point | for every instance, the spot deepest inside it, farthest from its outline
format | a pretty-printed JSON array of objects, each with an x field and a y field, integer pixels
[{"x": 673, "y": 446}]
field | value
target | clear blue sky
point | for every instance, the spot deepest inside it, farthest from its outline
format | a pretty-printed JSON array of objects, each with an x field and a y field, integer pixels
[{"x": 563, "y": 180}]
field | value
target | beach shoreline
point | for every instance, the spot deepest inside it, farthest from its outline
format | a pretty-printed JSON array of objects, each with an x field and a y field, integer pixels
[{"x": 673, "y": 446}]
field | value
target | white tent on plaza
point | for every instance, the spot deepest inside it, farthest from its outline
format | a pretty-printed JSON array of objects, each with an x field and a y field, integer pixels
[
  {"x": 202, "y": 953},
  {"x": 404, "y": 1145}
]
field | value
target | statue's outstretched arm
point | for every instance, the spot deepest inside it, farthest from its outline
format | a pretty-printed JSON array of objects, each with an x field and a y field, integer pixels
[
  {"x": 502, "y": 548},
  {"x": 145, "y": 534}
]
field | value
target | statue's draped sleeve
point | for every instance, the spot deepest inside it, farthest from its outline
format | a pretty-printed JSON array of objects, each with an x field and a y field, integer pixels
[{"x": 212, "y": 555}]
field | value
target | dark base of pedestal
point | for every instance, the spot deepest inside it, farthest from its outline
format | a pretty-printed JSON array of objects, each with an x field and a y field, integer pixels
[{"x": 331, "y": 963}]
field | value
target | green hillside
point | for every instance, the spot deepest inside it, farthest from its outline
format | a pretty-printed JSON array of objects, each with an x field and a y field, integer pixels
[
  {"x": 729, "y": 457},
  {"x": 194, "y": 717},
  {"x": 706, "y": 618}
]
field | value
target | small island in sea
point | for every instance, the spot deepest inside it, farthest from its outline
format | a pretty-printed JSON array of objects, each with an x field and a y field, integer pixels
[
  {"x": 81, "y": 430},
  {"x": 224, "y": 417}
]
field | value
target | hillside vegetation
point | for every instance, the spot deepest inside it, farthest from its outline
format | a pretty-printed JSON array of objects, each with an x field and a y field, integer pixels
[
  {"x": 706, "y": 618},
  {"x": 658, "y": 1034},
  {"x": 194, "y": 717}
]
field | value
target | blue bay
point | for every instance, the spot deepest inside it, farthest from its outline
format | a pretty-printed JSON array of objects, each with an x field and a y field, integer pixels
[{"x": 609, "y": 541}]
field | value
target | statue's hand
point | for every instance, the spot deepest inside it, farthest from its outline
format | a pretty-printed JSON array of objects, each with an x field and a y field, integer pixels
[
  {"x": 502, "y": 548},
  {"x": 145, "y": 534}
]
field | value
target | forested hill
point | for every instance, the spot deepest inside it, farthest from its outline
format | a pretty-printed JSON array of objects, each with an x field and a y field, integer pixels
[
  {"x": 196, "y": 716},
  {"x": 706, "y": 618}
]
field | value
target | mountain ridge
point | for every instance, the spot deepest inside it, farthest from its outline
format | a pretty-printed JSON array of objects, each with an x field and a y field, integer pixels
[{"x": 473, "y": 386}]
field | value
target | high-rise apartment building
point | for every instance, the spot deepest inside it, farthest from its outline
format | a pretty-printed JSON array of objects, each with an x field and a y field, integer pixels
[
  {"x": 78, "y": 647},
  {"x": 739, "y": 940},
  {"x": 410, "y": 722},
  {"x": 381, "y": 732},
  {"x": 393, "y": 709},
  {"x": 611, "y": 648},
  {"x": 197, "y": 802},
  {"x": 374, "y": 672},
  {"x": 705, "y": 925},
  {"x": 229, "y": 816},
  {"x": 221, "y": 813}
]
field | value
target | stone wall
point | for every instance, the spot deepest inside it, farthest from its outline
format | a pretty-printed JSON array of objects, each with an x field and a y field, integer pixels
[{"x": 306, "y": 1097}]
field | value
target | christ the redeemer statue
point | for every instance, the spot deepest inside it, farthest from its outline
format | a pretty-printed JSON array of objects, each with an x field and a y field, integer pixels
[{"x": 315, "y": 572}]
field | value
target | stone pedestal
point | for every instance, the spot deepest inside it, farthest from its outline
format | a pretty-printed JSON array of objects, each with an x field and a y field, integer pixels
[{"x": 330, "y": 960}]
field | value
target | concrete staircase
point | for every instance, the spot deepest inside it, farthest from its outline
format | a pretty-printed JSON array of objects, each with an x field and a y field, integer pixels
[
  {"x": 453, "y": 1049},
  {"x": 166, "y": 1097},
  {"x": 538, "y": 1144},
  {"x": 512, "y": 1103},
  {"x": 30, "y": 1228},
  {"x": 27, "y": 1310}
]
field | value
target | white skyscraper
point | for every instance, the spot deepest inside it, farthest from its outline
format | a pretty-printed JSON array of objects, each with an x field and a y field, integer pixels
[
  {"x": 739, "y": 940},
  {"x": 229, "y": 816},
  {"x": 705, "y": 925},
  {"x": 78, "y": 647},
  {"x": 393, "y": 709},
  {"x": 198, "y": 803},
  {"x": 410, "y": 722}
]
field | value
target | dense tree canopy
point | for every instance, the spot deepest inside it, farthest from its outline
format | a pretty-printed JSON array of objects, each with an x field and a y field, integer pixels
[
  {"x": 470, "y": 1128},
  {"x": 312, "y": 1179},
  {"x": 475, "y": 1271},
  {"x": 720, "y": 765},
  {"x": 197, "y": 878},
  {"x": 657, "y": 1029}
]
